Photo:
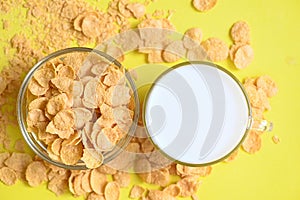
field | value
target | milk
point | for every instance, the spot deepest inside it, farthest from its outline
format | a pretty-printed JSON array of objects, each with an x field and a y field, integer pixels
[{"x": 196, "y": 113}]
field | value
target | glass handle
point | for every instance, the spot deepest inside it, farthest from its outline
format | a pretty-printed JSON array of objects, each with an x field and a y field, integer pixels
[{"x": 261, "y": 125}]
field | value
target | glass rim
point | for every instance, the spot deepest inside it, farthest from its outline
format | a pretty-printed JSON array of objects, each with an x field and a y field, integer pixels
[
  {"x": 210, "y": 64},
  {"x": 34, "y": 143}
]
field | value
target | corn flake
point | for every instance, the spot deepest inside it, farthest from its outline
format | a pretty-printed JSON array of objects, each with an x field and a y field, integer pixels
[
  {"x": 204, "y": 5},
  {"x": 8, "y": 176},
  {"x": 122, "y": 178},
  {"x": 240, "y": 32},
  {"x": 71, "y": 154},
  {"x": 98, "y": 181},
  {"x": 112, "y": 191},
  {"x": 136, "y": 192},
  {"x": 267, "y": 85},
  {"x": 36, "y": 89},
  {"x": 18, "y": 161},
  {"x": 216, "y": 49},
  {"x": 43, "y": 76},
  {"x": 174, "y": 51},
  {"x": 252, "y": 143},
  {"x": 243, "y": 56},
  {"x": 36, "y": 173},
  {"x": 188, "y": 185},
  {"x": 90, "y": 160},
  {"x": 57, "y": 103},
  {"x": 63, "y": 84},
  {"x": 173, "y": 190},
  {"x": 95, "y": 196},
  {"x": 3, "y": 157},
  {"x": 192, "y": 38},
  {"x": 159, "y": 195},
  {"x": 39, "y": 103},
  {"x": 91, "y": 26}
]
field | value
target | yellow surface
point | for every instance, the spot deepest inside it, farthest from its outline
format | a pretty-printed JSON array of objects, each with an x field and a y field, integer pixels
[{"x": 273, "y": 172}]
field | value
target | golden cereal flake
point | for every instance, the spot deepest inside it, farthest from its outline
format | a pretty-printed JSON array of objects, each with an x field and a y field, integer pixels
[
  {"x": 105, "y": 169},
  {"x": 3, "y": 157},
  {"x": 137, "y": 9},
  {"x": 196, "y": 54},
  {"x": 122, "y": 178},
  {"x": 38, "y": 103},
  {"x": 187, "y": 170},
  {"x": 115, "y": 52},
  {"x": 155, "y": 56},
  {"x": 85, "y": 181},
  {"x": 243, "y": 56},
  {"x": 174, "y": 51},
  {"x": 267, "y": 84},
  {"x": 36, "y": 173},
  {"x": 91, "y": 26},
  {"x": 36, "y": 89},
  {"x": 99, "y": 68},
  {"x": 78, "y": 22},
  {"x": 188, "y": 185},
  {"x": 90, "y": 95},
  {"x": 18, "y": 161},
  {"x": 95, "y": 196},
  {"x": 103, "y": 139},
  {"x": 77, "y": 185},
  {"x": 57, "y": 103},
  {"x": 35, "y": 117},
  {"x": 232, "y": 156},
  {"x": 240, "y": 32},
  {"x": 114, "y": 77},
  {"x": 66, "y": 71},
  {"x": 136, "y": 192},
  {"x": 82, "y": 116},
  {"x": 64, "y": 119},
  {"x": 275, "y": 139},
  {"x": 64, "y": 134},
  {"x": 90, "y": 160},
  {"x": 8, "y": 176},
  {"x": 252, "y": 143},
  {"x": 43, "y": 76},
  {"x": 204, "y": 5},
  {"x": 160, "y": 177},
  {"x": 192, "y": 38},
  {"x": 159, "y": 195},
  {"x": 112, "y": 191},
  {"x": 118, "y": 95},
  {"x": 63, "y": 84},
  {"x": 216, "y": 49},
  {"x": 173, "y": 190},
  {"x": 71, "y": 154},
  {"x": 58, "y": 184},
  {"x": 233, "y": 49},
  {"x": 56, "y": 146},
  {"x": 77, "y": 89},
  {"x": 98, "y": 181}
]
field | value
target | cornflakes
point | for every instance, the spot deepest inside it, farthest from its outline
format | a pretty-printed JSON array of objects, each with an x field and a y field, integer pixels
[
  {"x": 275, "y": 139},
  {"x": 136, "y": 192},
  {"x": 196, "y": 54},
  {"x": 174, "y": 51},
  {"x": 192, "y": 38},
  {"x": 204, "y": 5},
  {"x": 122, "y": 178},
  {"x": 252, "y": 142},
  {"x": 71, "y": 154},
  {"x": 267, "y": 85},
  {"x": 90, "y": 26},
  {"x": 243, "y": 56},
  {"x": 240, "y": 32},
  {"x": 36, "y": 173},
  {"x": 98, "y": 181},
  {"x": 188, "y": 185},
  {"x": 85, "y": 181},
  {"x": 159, "y": 195},
  {"x": 90, "y": 160},
  {"x": 173, "y": 190},
  {"x": 95, "y": 196},
  {"x": 112, "y": 191},
  {"x": 232, "y": 156},
  {"x": 18, "y": 161},
  {"x": 137, "y": 9},
  {"x": 36, "y": 89},
  {"x": 57, "y": 103},
  {"x": 3, "y": 157},
  {"x": 8, "y": 176},
  {"x": 216, "y": 49}
]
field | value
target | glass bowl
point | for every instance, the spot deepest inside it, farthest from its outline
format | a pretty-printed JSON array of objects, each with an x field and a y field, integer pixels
[{"x": 38, "y": 146}]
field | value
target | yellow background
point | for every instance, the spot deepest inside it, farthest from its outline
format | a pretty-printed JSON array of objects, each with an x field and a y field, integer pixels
[{"x": 273, "y": 172}]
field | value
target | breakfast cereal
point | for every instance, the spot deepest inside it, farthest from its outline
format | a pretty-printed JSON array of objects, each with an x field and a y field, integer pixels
[
  {"x": 136, "y": 192},
  {"x": 36, "y": 173},
  {"x": 252, "y": 143},
  {"x": 240, "y": 32},
  {"x": 204, "y": 5},
  {"x": 122, "y": 178},
  {"x": 174, "y": 190},
  {"x": 243, "y": 56},
  {"x": 192, "y": 38},
  {"x": 98, "y": 181},
  {"x": 188, "y": 186},
  {"x": 112, "y": 191},
  {"x": 216, "y": 49},
  {"x": 8, "y": 176}
]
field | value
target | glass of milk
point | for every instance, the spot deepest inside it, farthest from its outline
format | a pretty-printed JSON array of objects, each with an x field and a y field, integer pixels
[{"x": 198, "y": 113}]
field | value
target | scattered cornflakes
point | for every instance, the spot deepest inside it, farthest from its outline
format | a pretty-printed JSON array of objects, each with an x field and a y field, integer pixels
[
  {"x": 216, "y": 49},
  {"x": 98, "y": 181},
  {"x": 18, "y": 161},
  {"x": 252, "y": 142},
  {"x": 243, "y": 56},
  {"x": 122, "y": 178},
  {"x": 275, "y": 139},
  {"x": 232, "y": 156},
  {"x": 204, "y": 5},
  {"x": 112, "y": 191},
  {"x": 36, "y": 173},
  {"x": 136, "y": 192},
  {"x": 188, "y": 186},
  {"x": 174, "y": 190},
  {"x": 240, "y": 32},
  {"x": 192, "y": 38},
  {"x": 8, "y": 176}
]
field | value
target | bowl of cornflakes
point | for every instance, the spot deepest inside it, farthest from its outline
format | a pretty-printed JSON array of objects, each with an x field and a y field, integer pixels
[{"x": 78, "y": 108}]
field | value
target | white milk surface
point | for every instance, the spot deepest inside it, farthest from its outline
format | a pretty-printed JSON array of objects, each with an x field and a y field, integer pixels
[{"x": 196, "y": 113}]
